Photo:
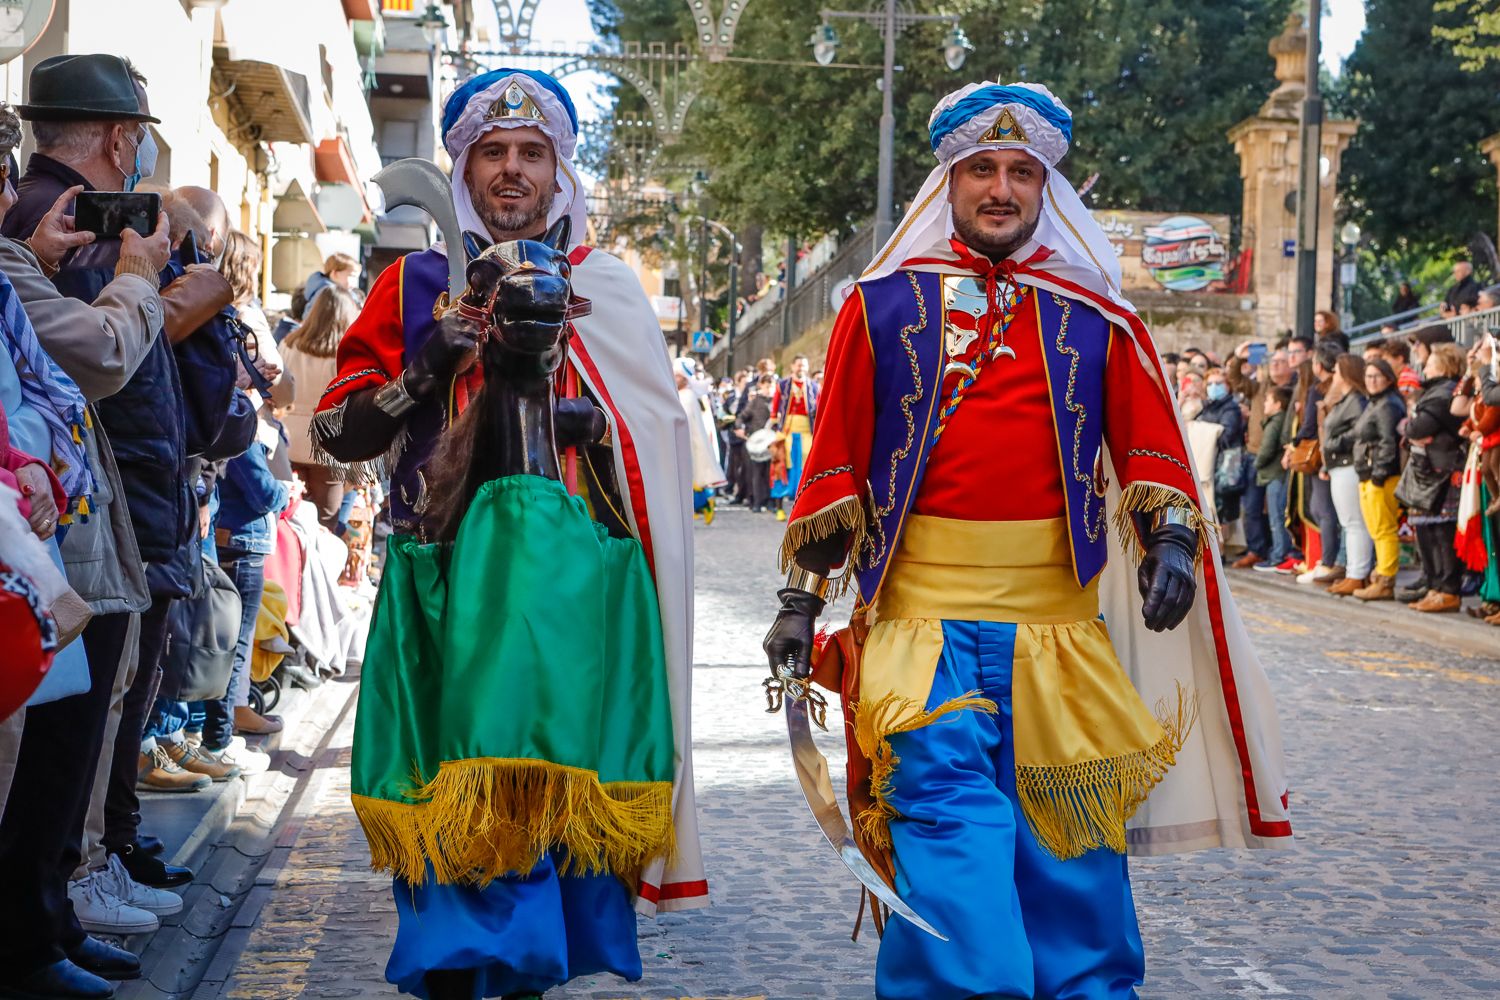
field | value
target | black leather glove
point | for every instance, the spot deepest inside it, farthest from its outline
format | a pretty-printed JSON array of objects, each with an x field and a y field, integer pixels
[
  {"x": 791, "y": 635},
  {"x": 577, "y": 422},
  {"x": 454, "y": 341},
  {"x": 1166, "y": 576}
]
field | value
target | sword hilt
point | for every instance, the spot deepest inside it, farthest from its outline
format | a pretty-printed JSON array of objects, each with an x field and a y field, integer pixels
[{"x": 789, "y": 684}]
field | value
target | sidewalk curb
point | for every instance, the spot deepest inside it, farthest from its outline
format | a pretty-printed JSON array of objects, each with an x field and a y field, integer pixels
[
  {"x": 1457, "y": 632},
  {"x": 234, "y": 846}
]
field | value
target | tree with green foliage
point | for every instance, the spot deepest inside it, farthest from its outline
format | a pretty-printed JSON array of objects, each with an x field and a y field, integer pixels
[
  {"x": 1153, "y": 85},
  {"x": 1414, "y": 177},
  {"x": 1476, "y": 37}
]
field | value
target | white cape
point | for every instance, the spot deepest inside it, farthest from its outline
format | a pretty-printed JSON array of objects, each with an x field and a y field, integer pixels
[{"x": 620, "y": 355}]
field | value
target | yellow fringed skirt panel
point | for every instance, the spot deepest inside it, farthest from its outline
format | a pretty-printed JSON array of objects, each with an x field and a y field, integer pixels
[{"x": 1088, "y": 750}]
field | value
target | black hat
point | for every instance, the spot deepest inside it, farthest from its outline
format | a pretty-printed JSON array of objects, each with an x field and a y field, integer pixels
[{"x": 86, "y": 88}]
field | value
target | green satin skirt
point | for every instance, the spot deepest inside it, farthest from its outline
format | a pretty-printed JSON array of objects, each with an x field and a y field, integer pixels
[{"x": 514, "y": 697}]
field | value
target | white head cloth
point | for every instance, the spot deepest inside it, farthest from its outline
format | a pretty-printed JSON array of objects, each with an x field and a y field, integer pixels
[
  {"x": 970, "y": 120},
  {"x": 474, "y": 122}
]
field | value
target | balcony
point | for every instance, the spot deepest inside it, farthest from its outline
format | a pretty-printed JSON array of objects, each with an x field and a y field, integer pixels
[{"x": 277, "y": 100}]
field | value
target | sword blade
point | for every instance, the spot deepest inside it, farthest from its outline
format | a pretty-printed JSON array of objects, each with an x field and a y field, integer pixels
[{"x": 817, "y": 787}]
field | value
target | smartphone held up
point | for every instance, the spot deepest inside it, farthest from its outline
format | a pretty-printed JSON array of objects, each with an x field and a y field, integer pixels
[{"x": 107, "y": 214}]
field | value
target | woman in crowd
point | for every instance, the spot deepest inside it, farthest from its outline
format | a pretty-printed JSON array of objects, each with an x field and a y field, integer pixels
[
  {"x": 1220, "y": 407},
  {"x": 1377, "y": 463},
  {"x": 1432, "y": 433},
  {"x": 308, "y": 354},
  {"x": 1315, "y": 495},
  {"x": 1343, "y": 406}
]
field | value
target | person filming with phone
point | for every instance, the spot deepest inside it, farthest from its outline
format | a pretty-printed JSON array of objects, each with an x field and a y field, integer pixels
[{"x": 90, "y": 118}]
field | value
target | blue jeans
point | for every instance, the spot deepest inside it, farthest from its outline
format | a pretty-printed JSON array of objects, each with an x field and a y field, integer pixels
[
  {"x": 1020, "y": 923},
  {"x": 1327, "y": 518},
  {"x": 1281, "y": 539},
  {"x": 248, "y": 571},
  {"x": 1253, "y": 510}
]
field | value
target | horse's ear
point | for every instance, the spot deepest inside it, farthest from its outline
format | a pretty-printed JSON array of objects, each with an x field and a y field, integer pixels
[
  {"x": 474, "y": 244},
  {"x": 557, "y": 236}
]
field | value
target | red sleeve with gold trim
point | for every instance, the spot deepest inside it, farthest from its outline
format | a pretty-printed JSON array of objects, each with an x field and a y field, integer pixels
[
  {"x": 1145, "y": 441},
  {"x": 370, "y": 353},
  {"x": 834, "y": 477}
]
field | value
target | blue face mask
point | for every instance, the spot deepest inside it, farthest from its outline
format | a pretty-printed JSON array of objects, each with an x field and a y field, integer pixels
[
  {"x": 145, "y": 160},
  {"x": 1218, "y": 391}
]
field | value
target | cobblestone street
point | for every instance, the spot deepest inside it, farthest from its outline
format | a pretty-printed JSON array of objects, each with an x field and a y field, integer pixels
[{"x": 1393, "y": 890}]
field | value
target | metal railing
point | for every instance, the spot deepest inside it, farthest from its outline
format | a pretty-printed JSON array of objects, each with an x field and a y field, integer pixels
[
  {"x": 810, "y": 303},
  {"x": 1465, "y": 329}
]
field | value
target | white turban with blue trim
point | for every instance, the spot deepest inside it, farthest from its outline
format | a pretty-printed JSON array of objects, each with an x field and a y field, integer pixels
[{"x": 1025, "y": 116}]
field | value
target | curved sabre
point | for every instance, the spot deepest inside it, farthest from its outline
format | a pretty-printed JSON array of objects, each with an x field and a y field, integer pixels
[{"x": 817, "y": 787}]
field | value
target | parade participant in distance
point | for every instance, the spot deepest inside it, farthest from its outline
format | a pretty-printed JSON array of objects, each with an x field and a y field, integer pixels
[
  {"x": 793, "y": 410},
  {"x": 986, "y": 380},
  {"x": 403, "y": 375}
]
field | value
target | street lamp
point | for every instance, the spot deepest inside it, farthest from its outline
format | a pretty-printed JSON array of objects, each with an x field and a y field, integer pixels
[
  {"x": 1349, "y": 271},
  {"x": 433, "y": 24},
  {"x": 890, "y": 21},
  {"x": 825, "y": 44},
  {"x": 956, "y": 49}
]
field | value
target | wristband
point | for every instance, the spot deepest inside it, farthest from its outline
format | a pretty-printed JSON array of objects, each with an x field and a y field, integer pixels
[
  {"x": 1184, "y": 516},
  {"x": 808, "y": 582},
  {"x": 392, "y": 399}
]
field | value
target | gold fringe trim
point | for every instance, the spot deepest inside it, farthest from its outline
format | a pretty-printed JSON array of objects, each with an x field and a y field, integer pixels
[
  {"x": 1144, "y": 498},
  {"x": 874, "y": 725},
  {"x": 848, "y": 515},
  {"x": 486, "y": 817},
  {"x": 1076, "y": 808}
]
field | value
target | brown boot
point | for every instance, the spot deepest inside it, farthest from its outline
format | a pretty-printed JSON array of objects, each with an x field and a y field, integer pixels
[
  {"x": 160, "y": 773},
  {"x": 1437, "y": 602},
  {"x": 1348, "y": 585},
  {"x": 191, "y": 759},
  {"x": 1381, "y": 588},
  {"x": 1246, "y": 561}
]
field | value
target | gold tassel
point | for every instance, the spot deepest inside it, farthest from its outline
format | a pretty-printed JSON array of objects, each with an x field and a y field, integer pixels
[
  {"x": 848, "y": 515},
  {"x": 1077, "y": 808},
  {"x": 486, "y": 817},
  {"x": 874, "y": 725},
  {"x": 1144, "y": 498}
]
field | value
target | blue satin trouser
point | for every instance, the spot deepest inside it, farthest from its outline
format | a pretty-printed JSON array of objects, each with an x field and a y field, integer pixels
[
  {"x": 524, "y": 934},
  {"x": 1020, "y": 922}
]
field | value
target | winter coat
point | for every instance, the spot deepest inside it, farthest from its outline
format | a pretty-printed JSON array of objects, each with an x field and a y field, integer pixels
[
  {"x": 144, "y": 421},
  {"x": 1226, "y": 413},
  {"x": 1272, "y": 444},
  {"x": 1432, "y": 417},
  {"x": 1338, "y": 430},
  {"x": 1377, "y": 442},
  {"x": 100, "y": 346}
]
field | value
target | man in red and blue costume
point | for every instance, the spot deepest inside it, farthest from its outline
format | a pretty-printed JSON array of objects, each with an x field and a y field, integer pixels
[
  {"x": 1000, "y": 471},
  {"x": 405, "y": 372}
]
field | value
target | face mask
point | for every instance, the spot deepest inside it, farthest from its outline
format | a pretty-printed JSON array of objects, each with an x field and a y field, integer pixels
[
  {"x": 1217, "y": 391},
  {"x": 145, "y": 160}
]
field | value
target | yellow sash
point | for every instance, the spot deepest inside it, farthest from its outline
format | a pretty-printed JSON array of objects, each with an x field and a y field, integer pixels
[{"x": 1088, "y": 751}]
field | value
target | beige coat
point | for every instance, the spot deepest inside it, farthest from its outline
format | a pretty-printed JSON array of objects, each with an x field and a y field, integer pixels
[
  {"x": 99, "y": 345},
  {"x": 313, "y": 374}
]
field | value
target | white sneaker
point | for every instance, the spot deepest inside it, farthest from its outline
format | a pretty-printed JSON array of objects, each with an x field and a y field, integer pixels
[
  {"x": 1309, "y": 577},
  {"x": 101, "y": 912},
  {"x": 247, "y": 760},
  {"x": 118, "y": 883}
]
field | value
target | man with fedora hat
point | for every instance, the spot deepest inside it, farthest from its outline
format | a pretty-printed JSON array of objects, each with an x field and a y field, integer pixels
[{"x": 89, "y": 116}]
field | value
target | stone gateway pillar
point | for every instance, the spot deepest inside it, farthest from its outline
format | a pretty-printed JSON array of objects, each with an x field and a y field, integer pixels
[
  {"x": 1270, "y": 161},
  {"x": 1491, "y": 147}
]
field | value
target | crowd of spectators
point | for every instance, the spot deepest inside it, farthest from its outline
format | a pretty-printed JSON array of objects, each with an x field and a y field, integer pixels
[
  {"x": 161, "y": 574},
  {"x": 1327, "y": 465}
]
